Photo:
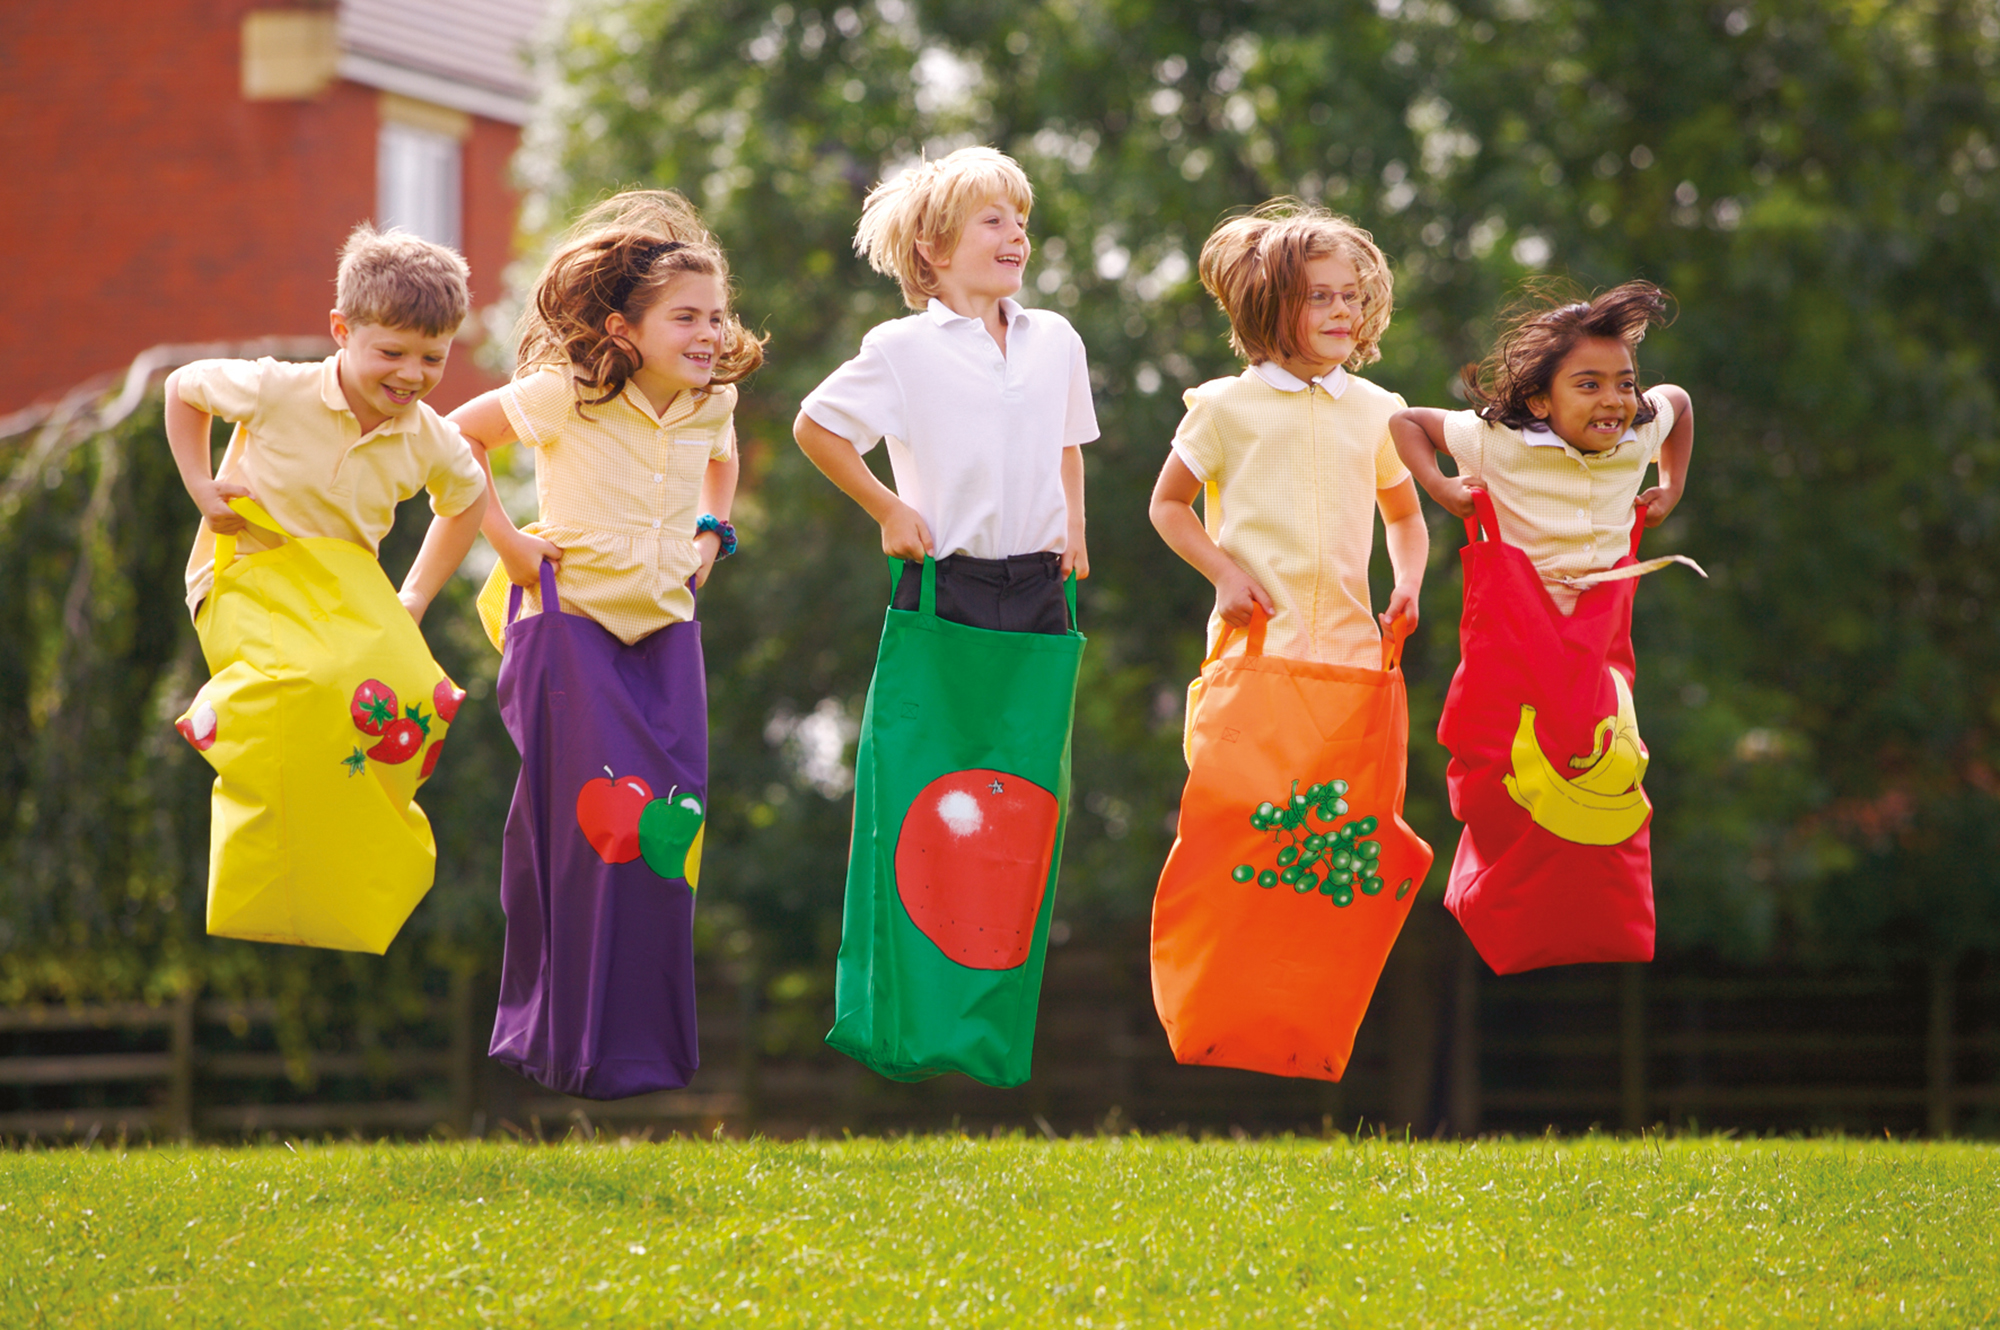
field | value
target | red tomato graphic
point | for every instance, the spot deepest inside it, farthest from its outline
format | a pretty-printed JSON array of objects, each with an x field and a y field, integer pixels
[
  {"x": 972, "y": 864},
  {"x": 373, "y": 708},
  {"x": 445, "y": 699},
  {"x": 430, "y": 761},
  {"x": 400, "y": 741},
  {"x": 198, "y": 726},
  {"x": 607, "y": 810}
]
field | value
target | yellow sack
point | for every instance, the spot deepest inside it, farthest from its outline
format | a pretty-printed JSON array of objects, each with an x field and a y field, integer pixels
[{"x": 325, "y": 713}]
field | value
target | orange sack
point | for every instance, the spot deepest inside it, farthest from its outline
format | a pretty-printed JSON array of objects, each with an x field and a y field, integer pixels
[{"x": 1293, "y": 869}]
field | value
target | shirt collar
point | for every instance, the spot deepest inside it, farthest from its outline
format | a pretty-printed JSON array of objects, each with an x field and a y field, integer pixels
[
  {"x": 944, "y": 315},
  {"x": 1271, "y": 372},
  {"x": 334, "y": 398},
  {"x": 1539, "y": 435}
]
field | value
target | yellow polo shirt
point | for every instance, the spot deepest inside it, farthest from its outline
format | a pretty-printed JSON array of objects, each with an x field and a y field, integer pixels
[
  {"x": 1568, "y": 510},
  {"x": 619, "y": 486},
  {"x": 1290, "y": 472},
  {"x": 300, "y": 450}
]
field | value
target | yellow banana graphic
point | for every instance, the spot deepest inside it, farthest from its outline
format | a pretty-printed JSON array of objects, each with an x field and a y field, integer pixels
[{"x": 1602, "y": 806}]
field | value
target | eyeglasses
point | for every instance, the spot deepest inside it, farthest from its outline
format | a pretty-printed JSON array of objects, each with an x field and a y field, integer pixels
[{"x": 1319, "y": 298}]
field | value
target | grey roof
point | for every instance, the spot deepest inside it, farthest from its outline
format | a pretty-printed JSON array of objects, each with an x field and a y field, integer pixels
[{"x": 467, "y": 54}]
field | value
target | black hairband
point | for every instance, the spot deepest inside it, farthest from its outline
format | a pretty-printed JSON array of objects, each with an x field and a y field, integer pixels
[{"x": 644, "y": 258}]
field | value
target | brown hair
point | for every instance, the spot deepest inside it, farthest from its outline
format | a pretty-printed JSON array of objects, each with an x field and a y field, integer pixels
[
  {"x": 929, "y": 204},
  {"x": 1544, "y": 324},
  {"x": 1255, "y": 267},
  {"x": 397, "y": 280},
  {"x": 620, "y": 258}
]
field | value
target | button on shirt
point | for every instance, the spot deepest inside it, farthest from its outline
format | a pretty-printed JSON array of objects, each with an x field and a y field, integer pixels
[
  {"x": 1290, "y": 471},
  {"x": 975, "y": 435},
  {"x": 1568, "y": 510},
  {"x": 301, "y": 451},
  {"x": 619, "y": 486}
]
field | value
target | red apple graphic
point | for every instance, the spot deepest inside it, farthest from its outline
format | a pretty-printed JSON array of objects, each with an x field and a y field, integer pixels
[
  {"x": 445, "y": 699},
  {"x": 198, "y": 726},
  {"x": 608, "y": 810},
  {"x": 972, "y": 864},
  {"x": 373, "y": 707}
]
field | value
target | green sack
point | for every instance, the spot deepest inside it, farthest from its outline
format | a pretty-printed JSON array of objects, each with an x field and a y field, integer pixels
[{"x": 961, "y": 792}]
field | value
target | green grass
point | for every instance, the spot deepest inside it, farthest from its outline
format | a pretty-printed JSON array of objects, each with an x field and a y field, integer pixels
[{"x": 1018, "y": 1232}]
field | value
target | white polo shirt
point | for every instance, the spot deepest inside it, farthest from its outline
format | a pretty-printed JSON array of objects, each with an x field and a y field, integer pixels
[{"x": 975, "y": 436}]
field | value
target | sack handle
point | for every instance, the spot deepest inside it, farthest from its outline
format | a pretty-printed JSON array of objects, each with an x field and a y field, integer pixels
[
  {"x": 1639, "y": 527},
  {"x": 1069, "y": 595},
  {"x": 1393, "y": 638},
  {"x": 927, "y": 599},
  {"x": 550, "y": 602},
  {"x": 1255, "y": 632},
  {"x": 252, "y": 512},
  {"x": 1483, "y": 517}
]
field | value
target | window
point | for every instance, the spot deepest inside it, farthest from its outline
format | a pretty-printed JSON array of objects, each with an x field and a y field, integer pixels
[{"x": 419, "y": 182}]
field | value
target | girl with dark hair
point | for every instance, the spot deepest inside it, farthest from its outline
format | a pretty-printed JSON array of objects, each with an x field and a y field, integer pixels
[
  {"x": 1554, "y": 866},
  {"x": 629, "y": 354},
  {"x": 1560, "y": 437}
]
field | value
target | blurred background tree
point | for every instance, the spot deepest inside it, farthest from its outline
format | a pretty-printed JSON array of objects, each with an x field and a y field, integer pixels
[{"x": 1814, "y": 180}]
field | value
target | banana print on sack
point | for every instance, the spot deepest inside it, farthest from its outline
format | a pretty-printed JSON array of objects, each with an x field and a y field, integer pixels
[{"x": 1604, "y": 805}]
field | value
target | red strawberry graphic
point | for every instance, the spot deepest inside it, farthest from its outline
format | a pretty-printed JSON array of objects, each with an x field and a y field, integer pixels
[
  {"x": 430, "y": 761},
  {"x": 402, "y": 738},
  {"x": 373, "y": 707},
  {"x": 198, "y": 726},
  {"x": 445, "y": 699}
]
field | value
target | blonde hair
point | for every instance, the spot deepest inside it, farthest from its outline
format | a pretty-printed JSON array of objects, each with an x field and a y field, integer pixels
[
  {"x": 929, "y": 204},
  {"x": 1255, "y": 267},
  {"x": 620, "y": 258},
  {"x": 398, "y": 280}
]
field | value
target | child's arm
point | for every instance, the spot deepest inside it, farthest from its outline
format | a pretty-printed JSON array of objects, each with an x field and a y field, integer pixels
[
  {"x": 1419, "y": 435},
  {"x": 1408, "y": 537},
  {"x": 718, "y": 494},
  {"x": 445, "y": 547},
  {"x": 187, "y": 436},
  {"x": 904, "y": 535},
  {"x": 1676, "y": 450},
  {"x": 1075, "y": 555},
  {"x": 484, "y": 423},
  {"x": 1172, "y": 511}
]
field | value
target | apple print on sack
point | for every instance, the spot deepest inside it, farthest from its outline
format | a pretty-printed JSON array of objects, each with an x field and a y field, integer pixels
[
  {"x": 198, "y": 725},
  {"x": 972, "y": 864},
  {"x": 667, "y": 829},
  {"x": 608, "y": 810}
]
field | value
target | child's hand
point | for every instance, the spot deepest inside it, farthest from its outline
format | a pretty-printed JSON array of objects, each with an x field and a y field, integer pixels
[
  {"x": 1403, "y": 602},
  {"x": 1659, "y": 500},
  {"x": 1235, "y": 596},
  {"x": 523, "y": 556},
  {"x": 1076, "y": 558},
  {"x": 214, "y": 503},
  {"x": 1454, "y": 496},
  {"x": 709, "y": 543},
  {"x": 904, "y": 535}
]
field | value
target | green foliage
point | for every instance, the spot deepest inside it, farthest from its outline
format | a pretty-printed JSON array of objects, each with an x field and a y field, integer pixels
[
  {"x": 1815, "y": 181},
  {"x": 1117, "y": 1230}
]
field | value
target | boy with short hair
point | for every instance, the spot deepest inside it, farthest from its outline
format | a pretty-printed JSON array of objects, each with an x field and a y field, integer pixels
[
  {"x": 985, "y": 404},
  {"x": 330, "y": 449}
]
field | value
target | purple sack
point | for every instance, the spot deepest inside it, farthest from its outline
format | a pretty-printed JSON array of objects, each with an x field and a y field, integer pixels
[{"x": 602, "y": 852}]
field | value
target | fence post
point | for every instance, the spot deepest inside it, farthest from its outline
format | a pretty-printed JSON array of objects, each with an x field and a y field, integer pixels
[
  {"x": 1632, "y": 1044},
  {"x": 464, "y": 1055},
  {"x": 1941, "y": 1050},
  {"x": 180, "y": 1083}
]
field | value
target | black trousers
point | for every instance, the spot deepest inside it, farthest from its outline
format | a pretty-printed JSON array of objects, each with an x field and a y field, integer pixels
[{"x": 1019, "y": 594}]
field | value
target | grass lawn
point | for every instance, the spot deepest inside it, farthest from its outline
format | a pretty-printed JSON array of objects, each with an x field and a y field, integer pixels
[{"x": 1132, "y": 1231}]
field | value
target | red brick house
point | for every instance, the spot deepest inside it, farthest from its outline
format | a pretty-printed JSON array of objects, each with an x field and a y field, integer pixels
[{"x": 185, "y": 170}]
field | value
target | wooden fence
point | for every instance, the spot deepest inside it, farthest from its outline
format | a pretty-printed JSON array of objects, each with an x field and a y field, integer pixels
[{"x": 1447, "y": 1049}]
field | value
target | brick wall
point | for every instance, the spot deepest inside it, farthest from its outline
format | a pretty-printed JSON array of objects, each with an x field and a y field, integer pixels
[{"x": 149, "y": 202}]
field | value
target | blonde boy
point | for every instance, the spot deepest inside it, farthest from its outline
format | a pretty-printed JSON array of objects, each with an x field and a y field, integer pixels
[
  {"x": 985, "y": 404},
  {"x": 330, "y": 449}
]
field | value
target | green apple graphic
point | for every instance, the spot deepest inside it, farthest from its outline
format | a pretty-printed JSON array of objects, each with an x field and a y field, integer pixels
[{"x": 666, "y": 829}]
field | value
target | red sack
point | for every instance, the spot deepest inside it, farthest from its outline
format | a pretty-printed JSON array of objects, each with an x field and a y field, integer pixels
[{"x": 1555, "y": 865}]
